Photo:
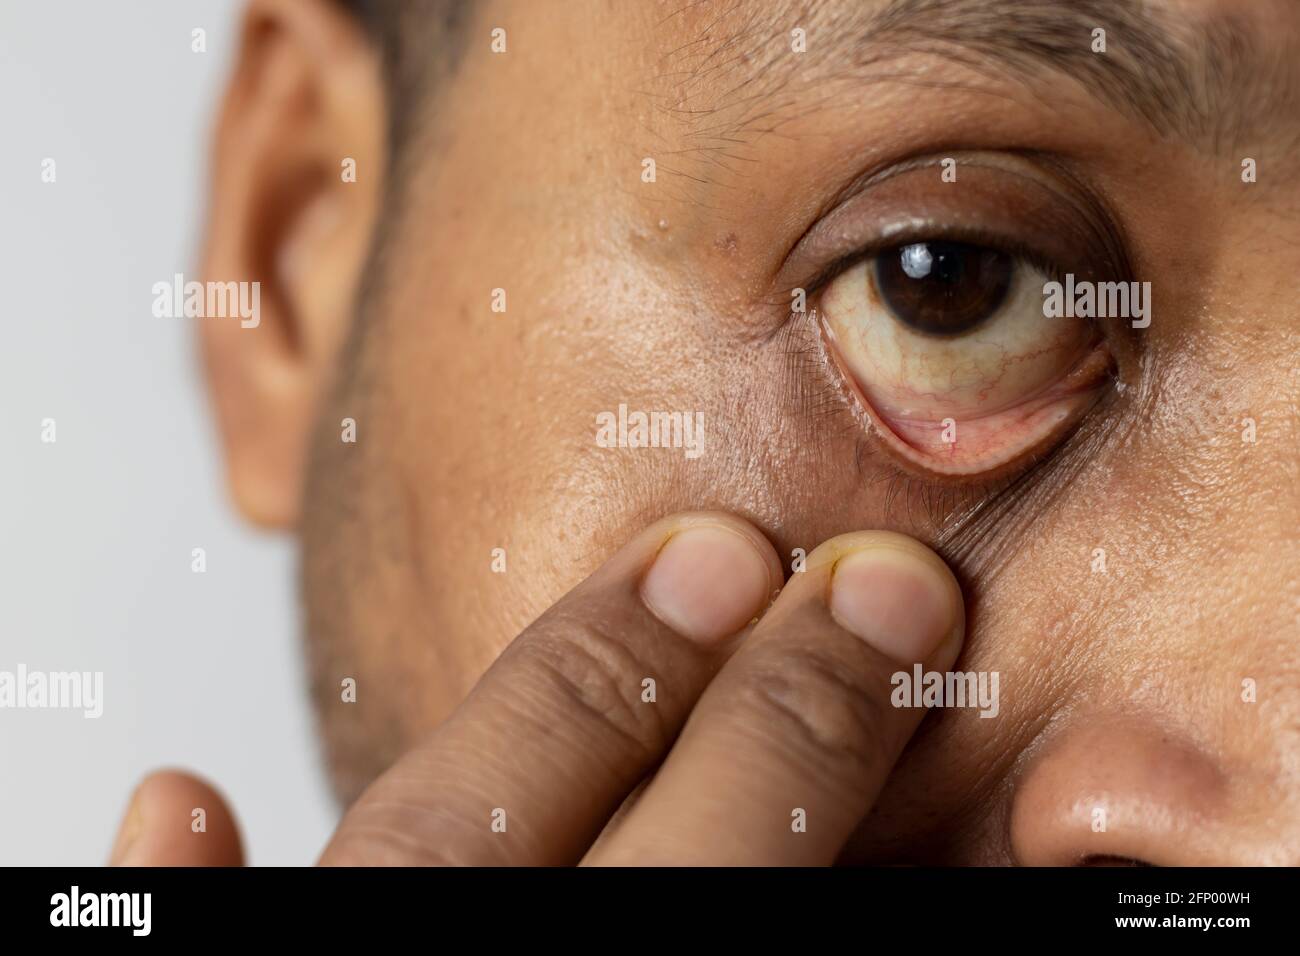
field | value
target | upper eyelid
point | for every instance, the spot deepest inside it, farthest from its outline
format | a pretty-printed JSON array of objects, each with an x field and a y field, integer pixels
[
  {"x": 1076, "y": 207},
  {"x": 1019, "y": 251}
]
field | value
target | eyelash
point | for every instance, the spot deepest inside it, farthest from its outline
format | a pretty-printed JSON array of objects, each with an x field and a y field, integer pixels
[{"x": 1019, "y": 250}]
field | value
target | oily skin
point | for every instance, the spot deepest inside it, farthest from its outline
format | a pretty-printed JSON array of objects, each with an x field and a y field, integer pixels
[{"x": 674, "y": 295}]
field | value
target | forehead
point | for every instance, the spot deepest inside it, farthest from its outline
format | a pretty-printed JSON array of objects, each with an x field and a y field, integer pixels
[{"x": 1209, "y": 71}]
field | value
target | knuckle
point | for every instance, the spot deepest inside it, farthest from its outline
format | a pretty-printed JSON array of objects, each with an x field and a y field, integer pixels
[
  {"x": 828, "y": 712},
  {"x": 388, "y": 833},
  {"x": 593, "y": 671},
  {"x": 378, "y": 846}
]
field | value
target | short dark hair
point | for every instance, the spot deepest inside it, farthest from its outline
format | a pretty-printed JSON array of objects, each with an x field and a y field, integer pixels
[{"x": 419, "y": 42}]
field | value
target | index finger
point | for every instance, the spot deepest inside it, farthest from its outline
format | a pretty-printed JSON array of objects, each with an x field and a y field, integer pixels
[
  {"x": 789, "y": 746},
  {"x": 561, "y": 728}
]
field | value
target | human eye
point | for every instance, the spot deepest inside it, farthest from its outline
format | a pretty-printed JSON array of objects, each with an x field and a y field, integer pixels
[
  {"x": 949, "y": 347},
  {"x": 940, "y": 327}
]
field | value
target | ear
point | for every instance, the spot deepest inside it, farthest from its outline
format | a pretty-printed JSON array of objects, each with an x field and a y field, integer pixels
[{"x": 305, "y": 98}]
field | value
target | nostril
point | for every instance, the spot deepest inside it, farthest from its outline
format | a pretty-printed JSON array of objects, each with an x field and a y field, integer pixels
[
  {"x": 1119, "y": 792},
  {"x": 1102, "y": 859}
]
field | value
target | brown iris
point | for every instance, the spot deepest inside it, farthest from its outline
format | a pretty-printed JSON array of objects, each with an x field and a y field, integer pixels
[{"x": 943, "y": 288}]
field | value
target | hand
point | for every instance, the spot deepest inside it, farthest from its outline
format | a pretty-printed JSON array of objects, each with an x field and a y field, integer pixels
[{"x": 769, "y": 734}]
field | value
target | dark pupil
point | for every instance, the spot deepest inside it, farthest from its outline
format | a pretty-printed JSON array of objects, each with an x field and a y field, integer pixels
[{"x": 943, "y": 288}]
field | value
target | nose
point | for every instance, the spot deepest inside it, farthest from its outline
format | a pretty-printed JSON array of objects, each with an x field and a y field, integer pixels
[{"x": 1124, "y": 791}]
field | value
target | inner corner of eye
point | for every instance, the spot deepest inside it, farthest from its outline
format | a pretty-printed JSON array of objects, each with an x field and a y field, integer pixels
[{"x": 948, "y": 348}]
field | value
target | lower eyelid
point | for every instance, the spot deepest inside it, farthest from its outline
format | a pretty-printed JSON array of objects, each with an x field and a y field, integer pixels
[
  {"x": 990, "y": 444},
  {"x": 1000, "y": 440}
]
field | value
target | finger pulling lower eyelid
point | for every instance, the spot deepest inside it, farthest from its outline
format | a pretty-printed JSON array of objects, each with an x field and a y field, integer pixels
[
  {"x": 706, "y": 583},
  {"x": 895, "y": 601},
  {"x": 826, "y": 555}
]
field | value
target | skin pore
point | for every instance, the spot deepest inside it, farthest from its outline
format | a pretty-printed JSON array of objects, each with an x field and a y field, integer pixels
[{"x": 1121, "y": 681}]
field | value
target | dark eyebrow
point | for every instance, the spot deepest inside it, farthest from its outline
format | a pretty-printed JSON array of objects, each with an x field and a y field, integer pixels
[
  {"x": 1208, "y": 83},
  {"x": 1227, "y": 81}
]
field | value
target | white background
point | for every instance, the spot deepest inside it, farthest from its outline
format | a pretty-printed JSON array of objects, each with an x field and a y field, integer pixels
[{"x": 200, "y": 670}]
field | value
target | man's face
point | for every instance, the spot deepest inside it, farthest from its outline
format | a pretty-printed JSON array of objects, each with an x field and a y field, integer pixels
[{"x": 648, "y": 185}]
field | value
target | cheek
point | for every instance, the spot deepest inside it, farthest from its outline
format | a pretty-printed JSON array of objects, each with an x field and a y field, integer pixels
[{"x": 777, "y": 447}]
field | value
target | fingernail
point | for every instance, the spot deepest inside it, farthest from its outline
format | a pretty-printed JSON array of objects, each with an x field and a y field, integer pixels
[
  {"x": 132, "y": 825},
  {"x": 897, "y": 601},
  {"x": 707, "y": 583}
]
